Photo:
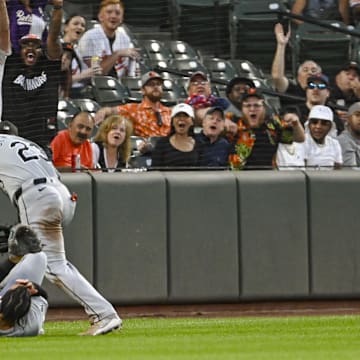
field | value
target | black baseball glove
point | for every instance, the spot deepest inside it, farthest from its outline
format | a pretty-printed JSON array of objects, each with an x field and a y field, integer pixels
[
  {"x": 23, "y": 240},
  {"x": 4, "y": 235}
]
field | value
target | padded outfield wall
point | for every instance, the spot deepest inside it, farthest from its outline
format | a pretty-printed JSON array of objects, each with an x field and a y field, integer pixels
[{"x": 193, "y": 237}]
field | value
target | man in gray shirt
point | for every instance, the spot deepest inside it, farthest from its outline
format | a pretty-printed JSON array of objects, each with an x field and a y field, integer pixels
[{"x": 349, "y": 139}]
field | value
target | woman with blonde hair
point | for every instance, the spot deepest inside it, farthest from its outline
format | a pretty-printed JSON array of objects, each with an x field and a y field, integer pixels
[{"x": 112, "y": 144}]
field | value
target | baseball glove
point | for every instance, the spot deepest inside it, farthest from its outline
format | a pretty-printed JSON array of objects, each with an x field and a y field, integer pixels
[
  {"x": 23, "y": 240},
  {"x": 4, "y": 235}
]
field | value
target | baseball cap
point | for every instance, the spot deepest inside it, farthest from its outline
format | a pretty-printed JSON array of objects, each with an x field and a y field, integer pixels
[
  {"x": 216, "y": 108},
  {"x": 7, "y": 127},
  {"x": 239, "y": 80},
  {"x": 352, "y": 65},
  {"x": 319, "y": 77},
  {"x": 30, "y": 38},
  {"x": 149, "y": 76},
  {"x": 199, "y": 73},
  {"x": 252, "y": 92},
  {"x": 321, "y": 112},
  {"x": 182, "y": 107},
  {"x": 353, "y": 108}
]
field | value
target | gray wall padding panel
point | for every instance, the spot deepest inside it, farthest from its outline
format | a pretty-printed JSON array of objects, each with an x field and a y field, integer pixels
[
  {"x": 273, "y": 234},
  {"x": 131, "y": 231},
  {"x": 78, "y": 236},
  {"x": 334, "y": 235},
  {"x": 203, "y": 247}
]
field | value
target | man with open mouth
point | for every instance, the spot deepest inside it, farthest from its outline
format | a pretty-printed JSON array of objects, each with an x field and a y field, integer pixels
[{"x": 31, "y": 80}]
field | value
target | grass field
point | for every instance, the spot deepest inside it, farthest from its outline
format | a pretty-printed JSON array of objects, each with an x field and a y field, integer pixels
[{"x": 335, "y": 337}]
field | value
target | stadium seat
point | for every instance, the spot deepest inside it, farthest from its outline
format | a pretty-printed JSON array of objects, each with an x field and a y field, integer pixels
[
  {"x": 181, "y": 50},
  {"x": 134, "y": 86},
  {"x": 173, "y": 93},
  {"x": 66, "y": 111},
  {"x": 108, "y": 91},
  {"x": 156, "y": 50},
  {"x": 328, "y": 48},
  {"x": 247, "y": 68},
  {"x": 88, "y": 105},
  {"x": 187, "y": 67},
  {"x": 220, "y": 69},
  {"x": 205, "y": 25},
  {"x": 254, "y": 34}
]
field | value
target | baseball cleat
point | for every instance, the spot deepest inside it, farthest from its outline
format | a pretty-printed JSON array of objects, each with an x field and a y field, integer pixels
[{"x": 103, "y": 327}]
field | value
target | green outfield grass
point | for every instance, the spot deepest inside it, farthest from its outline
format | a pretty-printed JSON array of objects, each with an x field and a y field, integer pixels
[{"x": 312, "y": 338}]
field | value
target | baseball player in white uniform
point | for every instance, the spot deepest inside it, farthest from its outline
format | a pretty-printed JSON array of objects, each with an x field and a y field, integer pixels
[
  {"x": 23, "y": 303},
  {"x": 44, "y": 203},
  {"x": 5, "y": 47}
]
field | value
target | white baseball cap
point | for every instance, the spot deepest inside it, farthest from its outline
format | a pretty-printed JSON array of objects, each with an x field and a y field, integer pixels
[
  {"x": 182, "y": 108},
  {"x": 321, "y": 112}
]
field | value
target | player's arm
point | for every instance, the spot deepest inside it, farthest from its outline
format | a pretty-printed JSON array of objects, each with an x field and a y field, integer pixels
[
  {"x": 4, "y": 28},
  {"x": 54, "y": 49},
  {"x": 298, "y": 8}
]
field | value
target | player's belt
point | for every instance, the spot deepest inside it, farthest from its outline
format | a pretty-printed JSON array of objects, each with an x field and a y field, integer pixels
[{"x": 19, "y": 191}]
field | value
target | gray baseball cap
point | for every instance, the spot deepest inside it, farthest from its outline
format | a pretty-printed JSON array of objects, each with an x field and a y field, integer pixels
[
  {"x": 353, "y": 108},
  {"x": 149, "y": 76}
]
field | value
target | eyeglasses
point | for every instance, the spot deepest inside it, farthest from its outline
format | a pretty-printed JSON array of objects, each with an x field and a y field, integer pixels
[
  {"x": 317, "y": 121},
  {"x": 254, "y": 105},
  {"x": 320, "y": 86},
  {"x": 196, "y": 83}
]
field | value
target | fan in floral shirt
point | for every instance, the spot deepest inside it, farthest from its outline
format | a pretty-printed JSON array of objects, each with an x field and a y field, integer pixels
[{"x": 257, "y": 137}]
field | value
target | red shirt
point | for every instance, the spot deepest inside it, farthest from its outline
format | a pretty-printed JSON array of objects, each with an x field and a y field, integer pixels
[{"x": 63, "y": 149}]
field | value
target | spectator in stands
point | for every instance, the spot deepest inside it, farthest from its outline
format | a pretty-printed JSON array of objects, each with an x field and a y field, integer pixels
[
  {"x": 349, "y": 139},
  {"x": 109, "y": 42},
  {"x": 31, "y": 80},
  {"x": 322, "y": 150},
  {"x": 74, "y": 141},
  {"x": 179, "y": 148},
  {"x": 215, "y": 148},
  {"x": 355, "y": 11},
  {"x": 281, "y": 83},
  {"x": 257, "y": 137},
  {"x": 346, "y": 89},
  {"x": 111, "y": 145},
  {"x": 317, "y": 93},
  {"x": 322, "y": 10},
  {"x": 5, "y": 47},
  {"x": 200, "y": 96},
  {"x": 150, "y": 117},
  {"x": 26, "y": 17},
  {"x": 234, "y": 92},
  {"x": 77, "y": 74}
]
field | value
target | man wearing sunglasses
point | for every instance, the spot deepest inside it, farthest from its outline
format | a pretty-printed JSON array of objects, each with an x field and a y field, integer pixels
[
  {"x": 317, "y": 93},
  {"x": 322, "y": 150}
]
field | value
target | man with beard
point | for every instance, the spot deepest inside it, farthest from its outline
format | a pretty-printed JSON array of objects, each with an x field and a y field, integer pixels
[
  {"x": 73, "y": 142},
  {"x": 31, "y": 80},
  {"x": 350, "y": 138},
  {"x": 150, "y": 117},
  {"x": 4, "y": 42}
]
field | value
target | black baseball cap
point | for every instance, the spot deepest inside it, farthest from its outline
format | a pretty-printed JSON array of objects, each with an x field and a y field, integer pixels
[
  {"x": 252, "y": 92},
  {"x": 239, "y": 80},
  {"x": 351, "y": 65},
  {"x": 7, "y": 127},
  {"x": 215, "y": 108},
  {"x": 320, "y": 77}
]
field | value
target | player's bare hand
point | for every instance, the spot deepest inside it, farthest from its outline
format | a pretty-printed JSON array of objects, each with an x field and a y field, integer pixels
[
  {"x": 281, "y": 38},
  {"x": 230, "y": 127},
  {"x": 133, "y": 53},
  {"x": 102, "y": 114}
]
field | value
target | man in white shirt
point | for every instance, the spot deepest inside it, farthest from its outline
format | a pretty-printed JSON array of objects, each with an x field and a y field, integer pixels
[
  {"x": 5, "y": 47},
  {"x": 109, "y": 43},
  {"x": 322, "y": 150}
]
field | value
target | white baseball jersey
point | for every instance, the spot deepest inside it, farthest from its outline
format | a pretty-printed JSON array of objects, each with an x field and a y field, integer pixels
[
  {"x": 95, "y": 42},
  {"x": 2, "y": 65},
  {"x": 21, "y": 160}
]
